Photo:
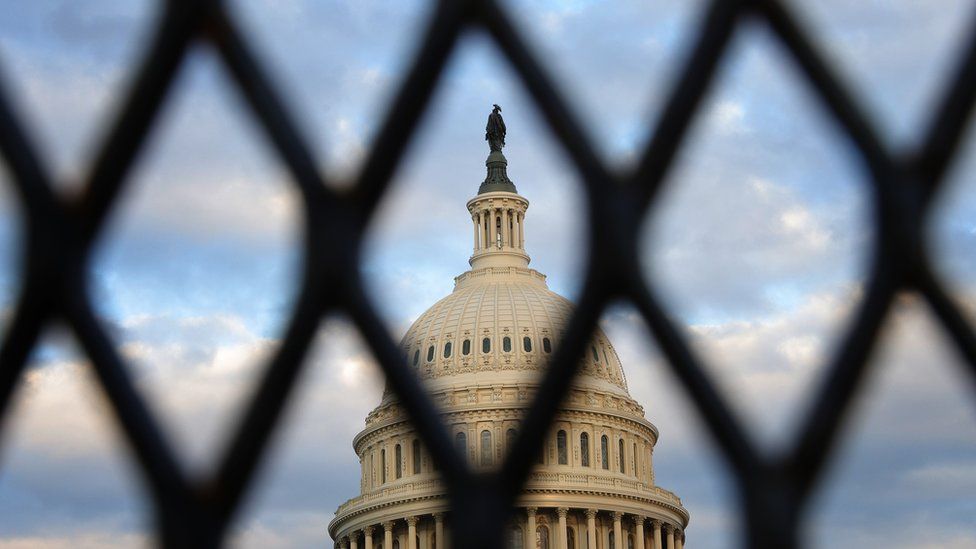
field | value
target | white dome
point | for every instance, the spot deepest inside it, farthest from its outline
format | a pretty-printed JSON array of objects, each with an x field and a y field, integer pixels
[{"x": 522, "y": 321}]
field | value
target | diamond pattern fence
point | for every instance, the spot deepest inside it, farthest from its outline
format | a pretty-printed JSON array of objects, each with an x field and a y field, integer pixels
[{"x": 774, "y": 489}]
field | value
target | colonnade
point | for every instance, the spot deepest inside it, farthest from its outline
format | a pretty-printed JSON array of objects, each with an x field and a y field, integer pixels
[
  {"x": 388, "y": 534},
  {"x": 486, "y": 225},
  {"x": 648, "y": 533}
]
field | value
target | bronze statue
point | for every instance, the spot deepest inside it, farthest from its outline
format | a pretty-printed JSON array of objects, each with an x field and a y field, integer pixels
[{"x": 495, "y": 130}]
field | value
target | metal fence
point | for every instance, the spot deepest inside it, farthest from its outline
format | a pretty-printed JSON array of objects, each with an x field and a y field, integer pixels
[{"x": 774, "y": 489}]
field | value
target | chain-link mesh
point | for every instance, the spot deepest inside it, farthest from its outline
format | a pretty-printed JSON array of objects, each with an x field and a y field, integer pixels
[{"x": 774, "y": 489}]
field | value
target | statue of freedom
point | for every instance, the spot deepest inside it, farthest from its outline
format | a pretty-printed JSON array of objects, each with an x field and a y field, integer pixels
[{"x": 495, "y": 130}]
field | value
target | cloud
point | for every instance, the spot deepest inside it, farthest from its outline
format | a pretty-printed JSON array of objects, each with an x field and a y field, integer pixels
[{"x": 757, "y": 245}]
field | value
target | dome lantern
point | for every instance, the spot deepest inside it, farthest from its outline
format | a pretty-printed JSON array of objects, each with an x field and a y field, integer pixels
[{"x": 498, "y": 211}]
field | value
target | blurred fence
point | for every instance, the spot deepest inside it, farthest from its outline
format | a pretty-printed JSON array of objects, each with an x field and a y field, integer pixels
[{"x": 773, "y": 489}]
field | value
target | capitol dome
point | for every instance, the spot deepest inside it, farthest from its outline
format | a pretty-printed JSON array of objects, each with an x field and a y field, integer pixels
[
  {"x": 480, "y": 352},
  {"x": 502, "y": 320}
]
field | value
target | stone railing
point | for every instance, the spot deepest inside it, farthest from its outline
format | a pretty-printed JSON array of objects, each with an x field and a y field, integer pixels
[
  {"x": 546, "y": 479},
  {"x": 394, "y": 492},
  {"x": 537, "y": 480}
]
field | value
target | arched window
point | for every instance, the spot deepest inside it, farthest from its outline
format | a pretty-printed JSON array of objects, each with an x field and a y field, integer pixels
[
  {"x": 585, "y": 449},
  {"x": 562, "y": 455},
  {"x": 486, "y": 345},
  {"x": 611, "y": 544},
  {"x": 416, "y": 456},
  {"x": 516, "y": 540},
  {"x": 416, "y": 357},
  {"x": 596, "y": 357},
  {"x": 447, "y": 350},
  {"x": 527, "y": 344},
  {"x": 461, "y": 443},
  {"x": 398, "y": 466},
  {"x": 571, "y": 538},
  {"x": 466, "y": 347},
  {"x": 546, "y": 345},
  {"x": 604, "y": 452},
  {"x": 433, "y": 540},
  {"x": 372, "y": 469},
  {"x": 635, "y": 458},
  {"x": 542, "y": 537},
  {"x": 510, "y": 440},
  {"x": 605, "y": 359},
  {"x": 382, "y": 466},
  {"x": 430, "y": 354},
  {"x": 620, "y": 457},
  {"x": 507, "y": 344},
  {"x": 396, "y": 544},
  {"x": 486, "y": 447},
  {"x": 630, "y": 541}
]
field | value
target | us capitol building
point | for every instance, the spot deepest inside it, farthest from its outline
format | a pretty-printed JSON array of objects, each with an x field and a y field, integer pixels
[{"x": 481, "y": 351}]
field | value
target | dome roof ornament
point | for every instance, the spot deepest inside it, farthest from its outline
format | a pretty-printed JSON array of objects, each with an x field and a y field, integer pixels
[{"x": 497, "y": 178}]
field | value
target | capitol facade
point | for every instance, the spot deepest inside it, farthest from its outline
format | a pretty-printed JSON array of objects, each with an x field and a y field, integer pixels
[{"x": 481, "y": 351}]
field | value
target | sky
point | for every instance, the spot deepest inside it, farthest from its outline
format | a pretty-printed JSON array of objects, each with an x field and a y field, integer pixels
[{"x": 758, "y": 245}]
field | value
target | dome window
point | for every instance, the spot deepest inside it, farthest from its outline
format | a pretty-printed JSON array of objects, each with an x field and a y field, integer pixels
[
  {"x": 585, "y": 449},
  {"x": 447, "y": 350},
  {"x": 596, "y": 357},
  {"x": 507, "y": 344},
  {"x": 430, "y": 354},
  {"x": 620, "y": 455},
  {"x": 546, "y": 345},
  {"x": 527, "y": 344},
  {"x": 486, "y": 345},
  {"x": 562, "y": 453},
  {"x": 486, "y": 448},
  {"x": 604, "y": 452},
  {"x": 466, "y": 347},
  {"x": 398, "y": 465},
  {"x": 461, "y": 443},
  {"x": 416, "y": 357},
  {"x": 635, "y": 459}
]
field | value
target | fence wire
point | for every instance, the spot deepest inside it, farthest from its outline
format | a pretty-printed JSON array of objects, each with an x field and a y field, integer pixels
[{"x": 774, "y": 489}]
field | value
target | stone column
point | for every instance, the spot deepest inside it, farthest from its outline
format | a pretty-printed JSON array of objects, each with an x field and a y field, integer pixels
[
  {"x": 656, "y": 524},
  {"x": 679, "y": 539},
  {"x": 563, "y": 537},
  {"x": 515, "y": 229},
  {"x": 368, "y": 537},
  {"x": 439, "y": 530},
  {"x": 617, "y": 533},
  {"x": 411, "y": 533},
  {"x": 474, "y": 222},
  {"x": 344, "y": 542},
  {"x": 354, "y": 540},
  {"x": 670, "y": 530},
  {"x": 505, "y": 232},
  {"x": 388, "y": 535},
  {"x": 522, "y": 230},
  {"x": 638, "y": 532},
  {"x": 530, "y": 527},
  {"x": 591, "y": 528}
]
